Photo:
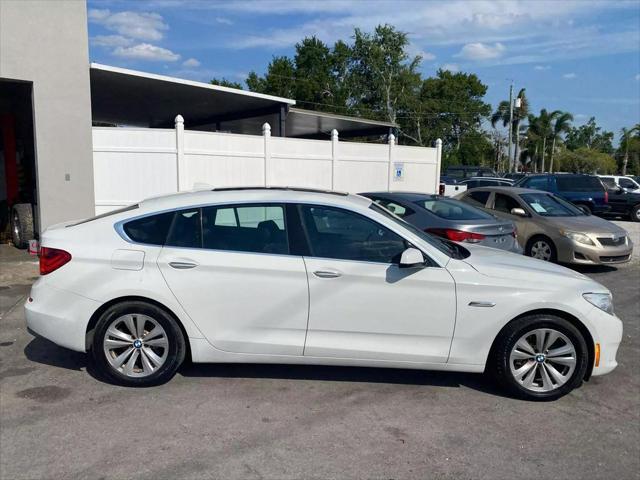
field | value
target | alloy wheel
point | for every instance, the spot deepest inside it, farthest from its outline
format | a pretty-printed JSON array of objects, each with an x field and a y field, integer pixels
[
  {"x": 135, "y": 345},
  {"x": 543, "y": 360},
  {"x": 541, "y": 250}
]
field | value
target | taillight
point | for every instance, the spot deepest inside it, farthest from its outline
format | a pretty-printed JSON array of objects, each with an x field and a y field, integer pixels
[
  {"x": 457, "y": 235},
  {"x": 52, "y": 259},
  {"x": 441, "y": 189},
  {"x": 606, "y": 196}
]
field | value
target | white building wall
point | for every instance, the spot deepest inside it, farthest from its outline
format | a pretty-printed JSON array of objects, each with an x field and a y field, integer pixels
[{"x": 131, "y": 164}]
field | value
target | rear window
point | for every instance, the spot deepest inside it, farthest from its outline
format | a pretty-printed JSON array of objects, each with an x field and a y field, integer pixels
[
  {"x": 578, "y": 184},
  {"x": 151, "y": 230},
  {"x": 453, "y": 210}
]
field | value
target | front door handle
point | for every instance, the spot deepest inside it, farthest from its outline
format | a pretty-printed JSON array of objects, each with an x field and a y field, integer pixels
[
  {"x": 182, "y": 265},
  {"x": 327, "y": 274}
]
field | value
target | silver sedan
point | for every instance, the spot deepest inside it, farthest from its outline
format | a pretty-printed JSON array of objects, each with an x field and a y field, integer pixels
[{"x": 552, "y": 229}]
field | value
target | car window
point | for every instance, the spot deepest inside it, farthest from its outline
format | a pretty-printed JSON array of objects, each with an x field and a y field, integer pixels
[
  {"x": 453, "y": 209},
  {"x": 342, "y": 234},
  {"x": 151, "y": 230},
  {"x": 578, "y": 184},
  {"x": 538, "y": 183},
  {"x": 245, "y": 228},
  {"x": 627, "y": 183},
  {"x": 504, "y": 203},
  {"x": 609, "y": 182},
  {"x": 548, "y": 205},
  {"x": 478, "y": 199},
  {"x": 185, "y": 230},
  {"x": 395, "y": 208}
]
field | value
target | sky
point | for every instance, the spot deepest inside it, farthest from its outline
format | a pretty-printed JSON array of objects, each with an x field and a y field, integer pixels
[{"x": 577, "y": 56}]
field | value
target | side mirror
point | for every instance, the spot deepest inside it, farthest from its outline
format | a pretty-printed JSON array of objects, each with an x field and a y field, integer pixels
[
  {"x": 411, "y": 258},
  {"x": 518, "y": 212}
]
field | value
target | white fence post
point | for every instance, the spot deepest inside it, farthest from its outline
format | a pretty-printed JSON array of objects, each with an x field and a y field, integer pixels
[
  {"x": 266, "y": 133},
  {"x": 392, "y": 155},
  {"x": 334, "y": 157},
  {"x": 438, "y": 164},
  {"x": 181, "y": 173}
]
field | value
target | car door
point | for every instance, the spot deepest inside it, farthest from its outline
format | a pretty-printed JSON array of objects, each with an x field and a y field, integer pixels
[
  {"x": 231, "y": 269},
  {"x": 362, "y": 305}
]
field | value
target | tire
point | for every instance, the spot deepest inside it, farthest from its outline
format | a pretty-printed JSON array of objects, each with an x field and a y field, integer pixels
[
  {"x": 507, "y": 367},
  {"x": 22, "y": 225},
  {"x": 142, "y": 363},
  {"x": 542, "y": 248},
  {"x": 635, "y": 213}
]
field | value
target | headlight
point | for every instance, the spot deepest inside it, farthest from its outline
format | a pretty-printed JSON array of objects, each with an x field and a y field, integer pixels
[
  {"x": 603, "y": 301},
  {"x": 577, "y": 237}
]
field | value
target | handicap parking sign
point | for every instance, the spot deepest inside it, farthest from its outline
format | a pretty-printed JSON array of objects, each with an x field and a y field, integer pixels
[{"x": 398, "y": 172}]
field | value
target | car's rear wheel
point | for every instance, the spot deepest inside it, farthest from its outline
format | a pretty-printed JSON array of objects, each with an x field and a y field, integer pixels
[
  {"x": 540, "y": 357},
  {"x": 137, "y": 344},
  {"x": 635, "y": 213},
  {"x": 542, "y": 248}
]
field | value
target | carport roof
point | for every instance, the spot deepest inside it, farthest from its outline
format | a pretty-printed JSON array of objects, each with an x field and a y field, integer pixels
[{"x": 129, "y": 97}]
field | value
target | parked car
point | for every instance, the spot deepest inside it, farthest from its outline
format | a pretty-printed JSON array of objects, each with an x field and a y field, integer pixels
[
  {"x": 476, "y": 182},
  {"x": 623, "y": 202},
  {"x": 302, "y": 277},
  {"x": 515, "y": 176},
  {"x": 460, "y": 172},
  {"x": 449, "y": 218},
  {"x": 615, "y": 181},
  {"x": 552, "y": 229},
  {"x": 587, "y": 192}
]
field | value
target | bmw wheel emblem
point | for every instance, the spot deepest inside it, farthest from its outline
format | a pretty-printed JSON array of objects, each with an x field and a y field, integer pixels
[{"x": 137, "y": 343}]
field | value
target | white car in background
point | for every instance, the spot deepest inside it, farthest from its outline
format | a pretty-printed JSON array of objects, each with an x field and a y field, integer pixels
[
  {"x": 305, "y": 277},
  {"x": 628, "y": 183}
]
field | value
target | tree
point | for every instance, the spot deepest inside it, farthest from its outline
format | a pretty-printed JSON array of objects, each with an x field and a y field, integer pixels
[
  {"x": 586, "y": 160},
  {"x": 589, "y": 136},
  {"x": 223, "y": 82},
  {"x": 503, "y": 113},
  {"x": 540, "y": 130},
  {"x": 626, "y": 134},
  {"x": 561, "y": 125},
  {"x": 279, "y": 79}
]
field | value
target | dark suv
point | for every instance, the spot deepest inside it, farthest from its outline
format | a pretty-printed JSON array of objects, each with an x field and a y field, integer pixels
[{"x": 585, "y": 191}]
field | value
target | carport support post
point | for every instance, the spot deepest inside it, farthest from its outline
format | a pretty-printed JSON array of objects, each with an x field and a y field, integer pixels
[
  {"x": 266, "y": 133},
  {"x": 392, "y": 155},
  {"x": 334, "y": 157},
  {"x": 180, "y": 166},
  {"x": 438, "y": 164}
]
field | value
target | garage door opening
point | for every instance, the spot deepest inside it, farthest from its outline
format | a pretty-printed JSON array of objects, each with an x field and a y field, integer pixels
[{"x": 18, "y": 195}]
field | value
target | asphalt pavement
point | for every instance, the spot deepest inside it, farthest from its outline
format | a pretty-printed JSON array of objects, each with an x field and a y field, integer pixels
[{"x": 57, "y": 420}]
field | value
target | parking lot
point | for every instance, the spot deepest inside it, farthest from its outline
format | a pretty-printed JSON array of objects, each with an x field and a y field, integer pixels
[{"x": 258, "y": 421}]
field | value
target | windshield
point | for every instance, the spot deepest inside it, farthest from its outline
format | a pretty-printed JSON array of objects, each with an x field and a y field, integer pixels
[
  {"x": 547, "y": 205},
  {"x": 453, "y": 209},
  {"x": 447, "y": 247}
]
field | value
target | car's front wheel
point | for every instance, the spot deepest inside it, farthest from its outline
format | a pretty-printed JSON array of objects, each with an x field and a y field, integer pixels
[
  {"x": 540, "y": 357},
  {"x": 542, "y": 248},
  {"x": 137, "y": 344}
]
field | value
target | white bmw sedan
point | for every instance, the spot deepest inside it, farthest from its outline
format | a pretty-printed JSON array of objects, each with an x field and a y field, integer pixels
[{"x": 306, "y": 277}]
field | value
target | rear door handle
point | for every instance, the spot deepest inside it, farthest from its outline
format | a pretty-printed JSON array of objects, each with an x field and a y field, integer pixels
[
  {"x": 182, "y": 265},
  {"x": 327, "y": 274}
]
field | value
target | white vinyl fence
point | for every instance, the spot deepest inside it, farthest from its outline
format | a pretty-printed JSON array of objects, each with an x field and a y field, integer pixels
[{"x": 131, "y": 164}]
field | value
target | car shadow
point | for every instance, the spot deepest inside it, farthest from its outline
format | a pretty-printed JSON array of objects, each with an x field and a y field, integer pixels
[
  {"x": 592, "y": 268},
  {"x": 43, "y": 351}
]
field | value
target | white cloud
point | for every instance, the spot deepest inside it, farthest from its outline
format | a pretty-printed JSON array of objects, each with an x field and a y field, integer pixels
[
  {"x": 569, "y": 76},
  {"x": 452, "y": 67},
  {"x": 223, "y": 21},
  {"x": 110, "y": 41},
  {"x": 139, "y": 25},
  {"x": 426, "y": 55},
  {"x": 146, "y": 51},
  {"x": 481, "y": 51},
  {"x": 542, "y": 67},
  {"x": 638, "y": 76},
  {"x": 191, "y": 63}
]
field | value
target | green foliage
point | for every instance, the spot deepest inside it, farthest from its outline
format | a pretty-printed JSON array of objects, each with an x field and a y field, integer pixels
[
  {"x": 586, "y": 160},
  {"x": 279, "y": 79},
  {"x": 223, "y": 82},
  {"x": 590, "y": 136}
]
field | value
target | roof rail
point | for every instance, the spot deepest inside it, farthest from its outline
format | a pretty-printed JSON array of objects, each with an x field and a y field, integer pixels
[{"x": 294, "y": 189}]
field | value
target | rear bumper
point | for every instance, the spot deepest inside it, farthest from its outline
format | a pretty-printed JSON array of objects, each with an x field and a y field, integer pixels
[{"x": 59, "y": 315}]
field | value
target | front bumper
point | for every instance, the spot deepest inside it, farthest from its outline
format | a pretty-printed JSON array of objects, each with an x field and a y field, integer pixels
[
  {"x": 570, "y": 251},
  {"x": 59, "y": 315},
  {"x": 607, "y": 331}
]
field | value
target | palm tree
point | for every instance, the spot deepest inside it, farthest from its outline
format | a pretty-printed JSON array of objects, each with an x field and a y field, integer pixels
[
  {"x": 502, "y": 115},
  {"x": 561, "y": 124},
  {"x": 625, "y": 134}
]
